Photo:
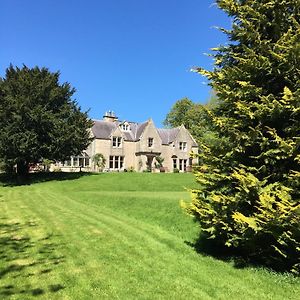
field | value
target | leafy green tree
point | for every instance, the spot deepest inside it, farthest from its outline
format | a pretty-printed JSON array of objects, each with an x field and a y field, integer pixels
[
  {"x": 177, "y": 115},
  {"x": 99, "y": 160},
  {"x": 196, "y": 118},
  {"x": 250, "y": 192},
  {"x": 38, "y": 118},
  {"x": 192, "y": 115}
]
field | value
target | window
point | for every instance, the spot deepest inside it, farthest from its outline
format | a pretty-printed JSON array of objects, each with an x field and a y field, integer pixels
[
  {"x": 75, "y": 161},
  {"x": 116, "y": 142},
  {"x": 81, "y": 161},
  {"x": 86, "y": 162},
  {"x": 116, "y": 162},
  {"x": 78, "y": 161},
  {"x": 125, "y": 127},
  {"x": 150, "y": 142},
  {"x": 182, "y": 165},
  {"x": 174, "y": 163},
  {"x": 182, "y": 146}
]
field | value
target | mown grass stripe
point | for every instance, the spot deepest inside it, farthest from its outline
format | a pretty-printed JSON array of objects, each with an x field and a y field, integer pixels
[
  {"x": 110, "y": 223},
  {"x": 115, "y": 227}
]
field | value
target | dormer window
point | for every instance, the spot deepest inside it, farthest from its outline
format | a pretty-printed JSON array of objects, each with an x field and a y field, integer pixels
[
  {"x": 125, "y": 126},
  {"x": 182, "y": 146},
  {"x": 117, "y": 142},
  {"x": 150, "y": 142}
]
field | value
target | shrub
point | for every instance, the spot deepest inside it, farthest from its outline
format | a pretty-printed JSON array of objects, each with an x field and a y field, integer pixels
[{"x": 99, "y": 161}]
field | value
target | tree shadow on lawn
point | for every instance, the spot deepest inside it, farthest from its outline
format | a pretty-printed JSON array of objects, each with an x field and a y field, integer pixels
[
  {"x": 209, "y": 247},
  {"x": 22, "y": 257},
  {"x": 8, "y": 180}
]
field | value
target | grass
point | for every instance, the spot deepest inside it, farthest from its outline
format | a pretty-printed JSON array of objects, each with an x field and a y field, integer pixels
[{"x": 116, "y": 236}]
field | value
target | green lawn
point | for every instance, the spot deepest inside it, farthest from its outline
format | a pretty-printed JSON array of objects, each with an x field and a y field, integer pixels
[{"x": 116, "y": 236}]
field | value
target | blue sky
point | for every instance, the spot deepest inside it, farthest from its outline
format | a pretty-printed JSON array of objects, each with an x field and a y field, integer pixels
[{"x": 130, "y": 56}]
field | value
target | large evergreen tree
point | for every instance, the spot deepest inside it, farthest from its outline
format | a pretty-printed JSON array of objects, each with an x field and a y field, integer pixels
[
  {"x": 250, "y": 194},
  {"x": 38, "y": 118}
]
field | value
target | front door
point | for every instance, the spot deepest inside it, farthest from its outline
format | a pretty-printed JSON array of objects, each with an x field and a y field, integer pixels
[{"x": 149, "y": 162}]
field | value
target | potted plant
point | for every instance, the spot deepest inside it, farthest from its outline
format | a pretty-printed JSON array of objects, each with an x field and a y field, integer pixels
[{"x": 159, "y": 164}]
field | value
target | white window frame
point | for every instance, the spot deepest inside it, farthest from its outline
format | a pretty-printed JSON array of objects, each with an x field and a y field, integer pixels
[
  {"x": 182, "y": 165},
  {"x": 75, "y": 161},
  {"x": 125, "y": 127},
  {"x": 116, "y": 142},
  {"x": 183, "y": 146},
  {"x": 116, "y": 162}
]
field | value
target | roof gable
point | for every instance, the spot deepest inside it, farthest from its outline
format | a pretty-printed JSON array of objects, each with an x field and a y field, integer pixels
[
  {"x": 149, "y": 128},
  {"x": 117, "y": 132},
  {"x": 183, "y": 131}
]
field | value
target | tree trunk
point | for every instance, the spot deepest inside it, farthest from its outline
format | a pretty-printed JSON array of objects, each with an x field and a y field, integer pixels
[{"x": 22, "y": 168}]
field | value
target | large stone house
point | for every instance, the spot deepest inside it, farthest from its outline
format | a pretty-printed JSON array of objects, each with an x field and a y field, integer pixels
[{"x": 130, "y": 145}]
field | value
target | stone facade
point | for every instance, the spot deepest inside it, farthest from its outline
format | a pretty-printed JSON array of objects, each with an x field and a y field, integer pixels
[{"x": 135, "y": 146}]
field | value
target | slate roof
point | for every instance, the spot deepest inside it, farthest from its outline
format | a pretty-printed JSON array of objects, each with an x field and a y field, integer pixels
[
  {"x": 168, "y": 135},
  {"x": 139, "y": 130},
  {"x": 103, "y": 130}
]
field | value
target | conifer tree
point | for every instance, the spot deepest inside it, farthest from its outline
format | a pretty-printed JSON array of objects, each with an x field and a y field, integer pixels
[
  {"x": 39, "y": 119},
  {"x": 250, "y": 192}
]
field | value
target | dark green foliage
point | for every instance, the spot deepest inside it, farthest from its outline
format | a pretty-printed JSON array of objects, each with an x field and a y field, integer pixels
[
  {"x": 38, "y": 118},
  {"x": 250, "y": 191}
]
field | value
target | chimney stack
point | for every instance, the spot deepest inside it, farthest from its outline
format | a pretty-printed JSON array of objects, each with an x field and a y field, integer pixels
[{"x": 110, "y": 116}]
